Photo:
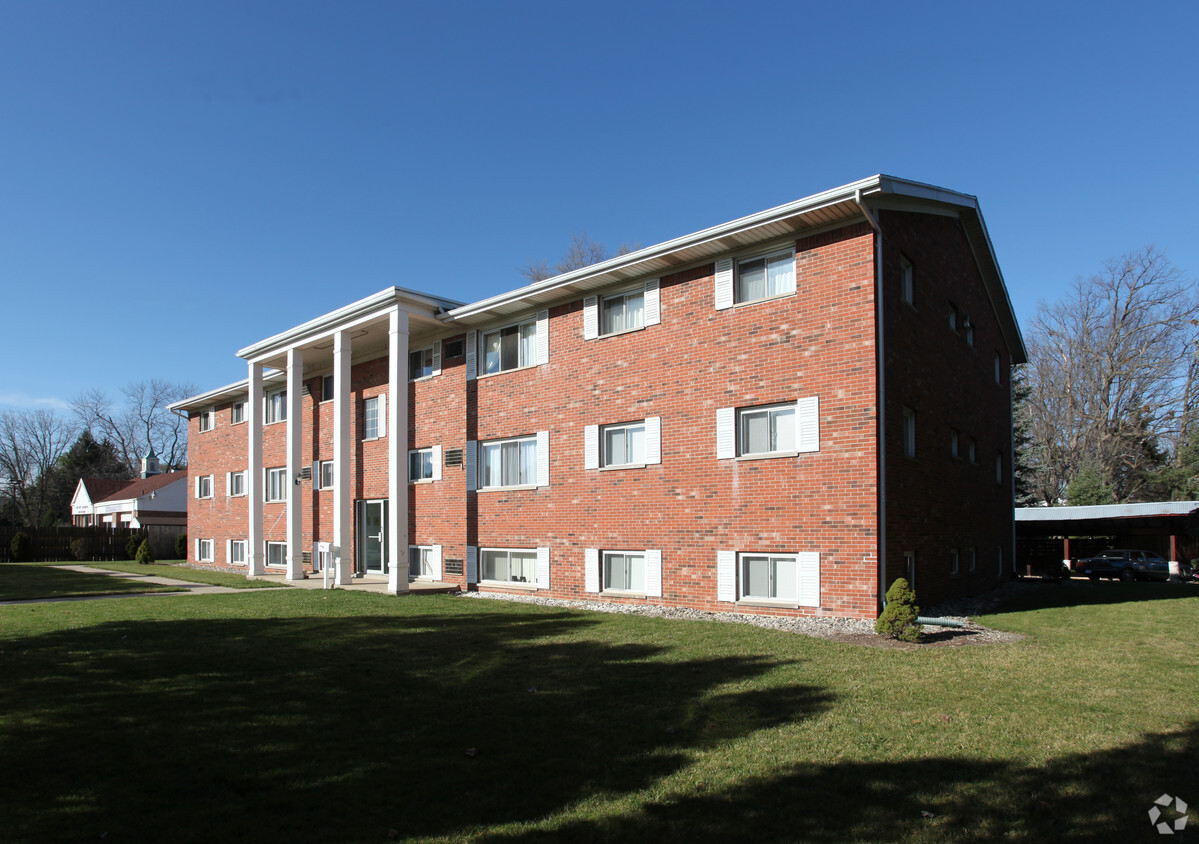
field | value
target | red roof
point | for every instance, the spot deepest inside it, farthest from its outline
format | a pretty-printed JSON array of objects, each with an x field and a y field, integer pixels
[{"x": 123, "y": 490}]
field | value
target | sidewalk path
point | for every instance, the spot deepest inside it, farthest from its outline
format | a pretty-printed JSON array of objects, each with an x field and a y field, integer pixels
[{"x": 188, "y": 587}]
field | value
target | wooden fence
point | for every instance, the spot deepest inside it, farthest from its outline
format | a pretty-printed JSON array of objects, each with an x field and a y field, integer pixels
[{"x": 96, "y": 544}]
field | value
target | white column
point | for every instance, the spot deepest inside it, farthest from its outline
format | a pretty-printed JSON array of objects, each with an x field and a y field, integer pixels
[
  {"x": 397, "y": 452},
  {"x": 295, "y": 460},
  {"x": 342, "y": 438},
  {"x": 255, "y": 551}
]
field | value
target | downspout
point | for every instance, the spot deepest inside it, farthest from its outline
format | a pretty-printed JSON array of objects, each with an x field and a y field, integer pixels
[{"x": 881, "y": 392}]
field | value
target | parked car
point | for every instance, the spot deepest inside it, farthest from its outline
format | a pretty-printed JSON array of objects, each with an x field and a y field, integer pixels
[{"x": 1125, "y": 564}]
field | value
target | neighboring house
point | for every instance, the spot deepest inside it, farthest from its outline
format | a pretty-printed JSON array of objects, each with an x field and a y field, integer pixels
[
  {"x": 155, "y": 498},
  {"x": 780, "y": 414}
]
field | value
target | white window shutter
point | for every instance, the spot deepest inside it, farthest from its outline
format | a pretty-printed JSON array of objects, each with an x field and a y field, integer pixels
[
  {"x": 435, "y": 561},
  {"x": 590, "y": 318},
  {"x": 197, "y": 551},
  {"x": 543, "y": 568},
  {"x": 472, "y": 564},
  {"x": 807, "y": 424},
  {"x": 437, "y": 463},
  {"x": 653, "y": 440},
  {"x": 591, "y": 447},
  {"x": 228, "y": 551},
  {"x": 228, "y": 484},
  {"x": 724, "y": 284},
  {"x": 543, "y": 458},
  {"x": 437, "y": 358},
  {"x": 726, "y": 576},
  {"x": 472, "y": 355},
  {"x": 653, "y": 302},
  {"x": 472, "y": 448},
  {"x": 807, "y": 570},
  {"x": 726, "y": 432},
  {"x": 543, "y": 337},
  {"x": 197, "y": 486},
  {"x": 653, "y": 573},
  {"x": 591, "y": 570},
  {"x": 383, "y": 414}
]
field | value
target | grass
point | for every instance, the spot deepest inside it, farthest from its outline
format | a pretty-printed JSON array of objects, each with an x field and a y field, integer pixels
[
  {"x": 337, "y": 716},
  {"x": 29, "y": 581},
  {"x": 233, "y": 580}
]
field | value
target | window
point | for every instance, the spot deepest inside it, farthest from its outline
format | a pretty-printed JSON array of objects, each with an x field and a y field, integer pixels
[
  {"x": 766, "y": 430},
  {"x": 373, "y": 421},
  {"x": 237, "y": 552},
  {"x": 909, "y": 432},
  {"x": 420, "y": 465},
  {"x": 420, "y": 363},
  {"x": 623, "y": 445},
  {"x": 953, "y": 561},
  {"x": 276, "y": 484},
  {"x": 207, "y": 420},
  {"x": 276, "y": 406},
  {"x": 325, "y": 474},
  {"x": 969, "y": 327},
  {"x": 622, "y": 312},
  {"x": 204, "y": 550},
  {"x": 276, "y": 553},
  {"x": 953, "y": 443},
  {"x": 420, "y": 561},
  {"x": 236, "y": 483},
  {"x": 510, "y": 566},
  {"x": 624, "y": 571},
  {"x": 998, "y": 369},
  {"x": 953, "y": 316},
  {"x": 906, "y": 285},
  {"x": 972, "y": 556},
  {"x": 766, "y": 276},
  {"x": 971, "y": 449},
  {"x": 509, "y": 463},
  {"x": 204, "y": 486},
  {"x": 327, "y": 388},
  {"x": 237, "y": 413},
  {"x": 512, "y": 347},
  {"x": 909, "y": 567},
  {"x": 999, "y": 468},
  {"x": 769, "y": 577}
]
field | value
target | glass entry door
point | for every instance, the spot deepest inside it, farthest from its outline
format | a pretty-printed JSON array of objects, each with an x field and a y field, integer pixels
[{"x": 372, "y": 537}]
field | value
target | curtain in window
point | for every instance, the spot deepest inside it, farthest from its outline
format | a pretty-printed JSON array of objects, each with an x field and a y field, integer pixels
[
  {"x": 491, "y": 352},
  {"x": 614, "y": 447},
  {"x": 752, "y": 279},
  {"x": 780, "y": 275},
  {"x": 528, "y": 344},
  {"x": 755, "y": 433},
  {"x": 783, "y": 435},
  {"x": 528, "y": 462},
  {"x": 492, "y": 462}
]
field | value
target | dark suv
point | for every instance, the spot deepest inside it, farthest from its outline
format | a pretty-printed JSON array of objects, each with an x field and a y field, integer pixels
[{"x": 1124, "y": 564}]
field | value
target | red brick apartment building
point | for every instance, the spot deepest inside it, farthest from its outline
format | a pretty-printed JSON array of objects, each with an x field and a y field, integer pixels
[{"x": 781, "y": 414}]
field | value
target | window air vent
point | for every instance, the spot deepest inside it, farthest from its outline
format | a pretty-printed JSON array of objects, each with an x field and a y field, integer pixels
[{"x": 453, "y": 457}]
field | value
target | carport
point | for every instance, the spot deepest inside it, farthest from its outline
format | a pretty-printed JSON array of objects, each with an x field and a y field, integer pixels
[{"x": 1049, "y": 537}]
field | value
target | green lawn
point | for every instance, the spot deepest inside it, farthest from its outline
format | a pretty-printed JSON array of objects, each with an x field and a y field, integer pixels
[
  {"x": 26, "y": 581},
  {"x": 232, "y": 579},
  {"x": 335, "y": 716}
]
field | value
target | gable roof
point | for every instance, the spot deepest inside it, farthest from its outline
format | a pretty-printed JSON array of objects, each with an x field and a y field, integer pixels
[{"x": 136, "y": 488}]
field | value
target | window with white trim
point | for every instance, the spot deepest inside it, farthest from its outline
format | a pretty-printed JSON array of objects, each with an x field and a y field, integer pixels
[
  {"x": 766, "y": 276},
  {"x": 509, "y": 566},
  {"x": 424, "y": 464},
  {"x": 237, "y": 552},
  {"x": 327, "y": 388},
  {"x": 237, "y": 413},
  {"x": 624, "y": 571},
  {"x": 769, "y": 430},
  {"x": 421, "y": 559},
  {"x": 207, "y": 420},
  {"x": 276, "y": 554},
  {"x": 770, "y": 577},
  {"x": 909, "y": 432},
  {"x": 623, "y": 444},
  {"x": 622, "y": 311},
  {"x": 424, "y": 363},
  {"x": 204, "y": 486},
  {"x": 510, "y": 347},
  {"x": 204, "y": 550},
  {"x": 325, "y": 477},
  {"x": 276, "y": 406},
  {"x": 235, "y": 483},
  {"x": 508, "y": 463},
  {"x": 276, "y": 484},
  {"x": 374, "y": 421}
]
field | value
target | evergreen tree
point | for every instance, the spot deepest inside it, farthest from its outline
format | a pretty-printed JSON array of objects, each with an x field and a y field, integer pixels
[{"x": 87, "y": 458}]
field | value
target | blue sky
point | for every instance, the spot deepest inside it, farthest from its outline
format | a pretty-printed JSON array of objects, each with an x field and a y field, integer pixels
[{"x": 181, "y": 180}]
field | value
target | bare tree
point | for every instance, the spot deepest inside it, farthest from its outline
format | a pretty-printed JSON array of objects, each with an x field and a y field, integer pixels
[
  {"x": 582, "y": 252},
  {"x": 1110, "y": 376},
  {"x": 141, "y": 423},
  {"x": 31, "y": 442}
]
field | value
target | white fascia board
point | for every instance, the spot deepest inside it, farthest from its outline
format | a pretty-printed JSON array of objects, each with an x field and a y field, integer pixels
[
  {"x": 238, "y": 389},
  {"x": 1105, "y": 511}
]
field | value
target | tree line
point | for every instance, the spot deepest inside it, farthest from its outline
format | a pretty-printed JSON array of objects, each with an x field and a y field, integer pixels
[{"x": 44, "y": 453}]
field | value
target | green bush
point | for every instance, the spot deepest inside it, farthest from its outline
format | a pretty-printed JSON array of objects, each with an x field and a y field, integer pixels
[
  {"x": 145, "y": 554},
  {"x": 21, "y": 548},
  {"x": 132, "y": 544},
  {"x": 81, "y": 549},
  {"x": 898, "y": 619},
  {"x": 181, "y": 547}
]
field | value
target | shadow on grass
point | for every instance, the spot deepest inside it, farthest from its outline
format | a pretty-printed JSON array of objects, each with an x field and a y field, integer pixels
[
  {"x": 1101, "y": 796},
  {"x": 1079, "y": 592},
  {"x": 21, "y": 582},
  {"x": 337, "y": 729}
]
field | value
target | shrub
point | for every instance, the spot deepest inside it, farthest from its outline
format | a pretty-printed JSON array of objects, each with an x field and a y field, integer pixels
[
  {"x": 132, "y": 544},
  {"x": 898, "y": 618},
  {"x": 145, "y": 554},
  {"x": 181, "y": 547},
  {"x": 21, "y": 548},
  {"x": 81, "y": 549}
]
